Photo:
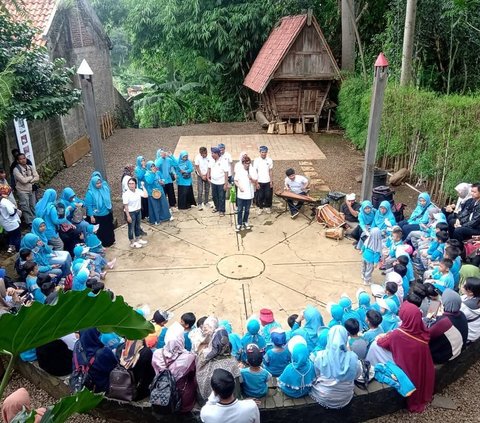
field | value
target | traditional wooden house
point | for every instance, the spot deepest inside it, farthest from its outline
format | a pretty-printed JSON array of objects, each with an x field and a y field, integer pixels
[{"x": 294, "y": 71}]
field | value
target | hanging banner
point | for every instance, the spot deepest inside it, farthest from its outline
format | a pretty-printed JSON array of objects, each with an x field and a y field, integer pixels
[{"x": 23, "y": 139}]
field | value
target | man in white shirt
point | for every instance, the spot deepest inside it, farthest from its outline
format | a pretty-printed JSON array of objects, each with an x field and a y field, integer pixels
[
  {"x": 227, "y": 158},
  {"x": 245, "y": 181},
  {"x": 223, "y": 407},
  {"x": 202, "y": 161},
  {"x": 298, "y": 185},
  {"x": 218, "y": 177},
  {"x": 264, "y": 167}
]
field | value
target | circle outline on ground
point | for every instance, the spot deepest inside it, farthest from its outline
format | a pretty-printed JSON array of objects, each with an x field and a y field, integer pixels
[{"x": 238, "y": 278}]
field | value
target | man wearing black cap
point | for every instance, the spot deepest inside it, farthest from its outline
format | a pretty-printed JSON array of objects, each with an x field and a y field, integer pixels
[
  {"x": 223, "y": 407},
  {"x": 264, "y": 167}
]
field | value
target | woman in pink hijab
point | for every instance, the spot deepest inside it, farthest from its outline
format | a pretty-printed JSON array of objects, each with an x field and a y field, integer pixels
[
  {"x": 15, "y": 403},
  {"x": 181, "y": 364}
]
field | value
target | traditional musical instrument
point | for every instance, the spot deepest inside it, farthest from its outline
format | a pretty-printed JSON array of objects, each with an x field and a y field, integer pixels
[
  {"x": 329, "y": 216},
  {"x": 334, "y": 233},
  {"x": 289, "y": 195}
]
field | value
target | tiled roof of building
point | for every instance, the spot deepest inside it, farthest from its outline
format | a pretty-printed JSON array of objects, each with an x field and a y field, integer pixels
[
  {"x": 38, "y": 12},
  {"x": 273, "y": 51}
]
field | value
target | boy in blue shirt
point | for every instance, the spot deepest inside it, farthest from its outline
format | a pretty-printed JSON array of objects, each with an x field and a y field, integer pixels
[
  {"x": 442, "y": 278},
  {"x": 187, "y": 321},
  {"x": 254, "y": 377},
  {"x": 393, "y": 241},
  {"x": 374, "y": 319},
  {"x": 453, "y": 253}
]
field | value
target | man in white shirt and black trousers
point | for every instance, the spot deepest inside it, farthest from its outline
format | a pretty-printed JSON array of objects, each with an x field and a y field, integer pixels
[
  {"x": 297, "y": 184},
  {"x": 223, "y": 407},
  {"x": 264, "y": 167}
]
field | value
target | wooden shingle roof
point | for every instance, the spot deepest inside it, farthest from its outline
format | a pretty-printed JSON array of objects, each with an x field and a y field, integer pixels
[{"x": 273, "y": 51}]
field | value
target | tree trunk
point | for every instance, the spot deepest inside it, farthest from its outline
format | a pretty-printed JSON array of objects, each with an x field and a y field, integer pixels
[
  {"x": 348, "y": 35},
  {"x": 408, "y": 36}
]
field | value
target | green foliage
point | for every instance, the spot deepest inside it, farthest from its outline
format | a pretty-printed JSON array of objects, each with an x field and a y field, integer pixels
[
  {"x": 436, "y": 136},
  {"x": 39, "y": 324},
  {"x": 42, "y": 87},
  {"x": 81, "y": 402}
]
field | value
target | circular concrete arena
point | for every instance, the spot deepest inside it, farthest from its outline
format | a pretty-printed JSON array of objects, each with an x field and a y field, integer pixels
[{"x": 199, "y": 263}]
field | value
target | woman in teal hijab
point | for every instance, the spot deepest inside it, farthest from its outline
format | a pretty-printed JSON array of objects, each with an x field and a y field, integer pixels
[
  {"x": 75, "y": 216},
  {"x": 384, "y": 218},
  {"x": 165, "y": 164},
  {"x": 298, "y": 377},
  {"x": 140, "y": 171},
  {"x": 313, "y": 323},
  {"x": 419, "y": 215},
  {"x": 184, "y": 170},
  {"x": 366, "y": 216},
  {"x": 158, "y": 210},
  {"x": 336, "y": 370},
  {"x": 98, "y": 204},
  {"x": 41, "y": 254}
]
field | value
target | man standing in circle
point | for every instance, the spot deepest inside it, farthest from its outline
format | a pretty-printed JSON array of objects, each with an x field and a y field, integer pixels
[
  {"x": 245, "y": 180},
  {"x": 264, "y": 168},
  {"x": 227, "y": 158},
  {"x": 218, "y": 177},
  {"x": 297, "y": 184},
  {"x": 202, "y": 161},
  {"x": 25, "y": 176}
]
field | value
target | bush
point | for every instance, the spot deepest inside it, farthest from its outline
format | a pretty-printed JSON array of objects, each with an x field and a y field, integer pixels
[{"x": 435, "y": 136}]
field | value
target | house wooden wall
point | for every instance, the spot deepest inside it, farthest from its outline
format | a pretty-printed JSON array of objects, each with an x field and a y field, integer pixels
[
  {"x": 308, "y": 58},
  {"x": 292, "y": 99}
]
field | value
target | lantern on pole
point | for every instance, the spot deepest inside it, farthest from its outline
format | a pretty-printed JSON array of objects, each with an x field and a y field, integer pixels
[
  {"x": 90, "y": 110},
  {"x": 376, "y": 106}
]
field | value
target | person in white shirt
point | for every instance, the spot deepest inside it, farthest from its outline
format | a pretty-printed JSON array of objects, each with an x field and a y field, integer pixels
[
  {"x": 132, "y": 205},
  {"x": 127, "y": 174},
  {"x": 264, "y": 167},
  {"x": 223, "y": 407},
  {"x": 10, "y": 221},
  {"x": 297, "y": 184},
  {"x": 245, "y": 181},
  {"x": 202, "y": 161},
  {"x": 218, "y": 177},
  {"x": 227, "y": 158}
]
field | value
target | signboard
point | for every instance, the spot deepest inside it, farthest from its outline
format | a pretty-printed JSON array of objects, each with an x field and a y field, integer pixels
[{"x": 23, "y": 138}]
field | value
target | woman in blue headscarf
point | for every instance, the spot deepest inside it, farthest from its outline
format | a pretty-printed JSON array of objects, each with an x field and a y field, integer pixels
[
  {"x": 46, "y": 209},
  {"x": 384, "y": 218},
  {"x": 297, "y": 379},
  {"x": 419, "y": 215},
  {"x": 336, "y": 370},
  {"x": 313, "y": 323},
  {"x": 75, "y": 216},
  {"x": 184, "y": 169},
  {"x": 140, "y": 171},
  {"x": 158, "y": 210},
  {"x": 365, "y": 221},
  {"x": 166, "y": 163},
  {"x": 336, "y": 311},
  {"x": 98, "y": 204},
  {"x": 105, "y": 360}
]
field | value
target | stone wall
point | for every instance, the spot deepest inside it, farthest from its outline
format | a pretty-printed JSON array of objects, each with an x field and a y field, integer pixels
[{"x": 378, "y": 400}]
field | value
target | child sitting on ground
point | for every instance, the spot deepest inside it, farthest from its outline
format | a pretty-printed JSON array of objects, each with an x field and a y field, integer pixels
[
  {"x": 393, "y": 241},
  {"x": 435, "y": 250},
  {"x": 355, "y": 342},
  {"x": 31, "y": 269},
  {"x": 374, "y": 320},
  {"x": 277, "y": 358},
  {"x": 453, "y": 253},
  {"x": 441, "y": 277},
  {"x": 336, "y": 311},
  {"x": 97, "y": 253},
  {"x": 196, "y": 335},
  {"x": 388, "y": 310},
  {"x": 188, "y": 322},
  {"x": 254, "y": 377},
  {"x": 291, "y": 321},
  {"x": 371, "y": 254},
  {"x": 364, "y": 305},
  {"x": 268, "y": 323},
  {"x": 391, "y": 289},
  {"x": 160, "y": 320},
  {"x": 252, "y": 337}
]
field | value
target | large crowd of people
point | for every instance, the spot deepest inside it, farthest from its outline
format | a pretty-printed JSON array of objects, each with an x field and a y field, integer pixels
[{"x": 425, "y": 312}]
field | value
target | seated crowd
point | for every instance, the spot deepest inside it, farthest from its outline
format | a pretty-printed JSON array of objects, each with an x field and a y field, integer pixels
[{"x": 416, "y": 318}]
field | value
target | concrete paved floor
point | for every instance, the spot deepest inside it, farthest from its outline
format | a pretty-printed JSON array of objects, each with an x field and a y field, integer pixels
[{"x": 199, "y": 263}]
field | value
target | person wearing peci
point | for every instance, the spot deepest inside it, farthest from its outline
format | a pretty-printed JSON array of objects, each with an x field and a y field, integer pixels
[
  {"x": 184, "y": 169},
  {"x": 202, "y": 160},
  {"x": 218, "y": 177},
  {"x": 98, "y": 204},
  {"x": 25, "y": 177},
  {"x": 245, "y": 180},
  {"x": 297, "y": 184},
  {"x": 264, "y": 167},
  {"x": 351, "y": 209},
  {"x": 132, "y": 205}
]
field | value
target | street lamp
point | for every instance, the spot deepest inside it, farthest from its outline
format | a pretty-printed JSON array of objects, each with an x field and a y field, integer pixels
[
  {"x": 376, "y": 106},
  {"x": 89, "y": 108}
]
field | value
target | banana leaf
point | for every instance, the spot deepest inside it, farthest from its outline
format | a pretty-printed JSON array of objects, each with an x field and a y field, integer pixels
[
  {"x": 81, "y": 402},
  {"x": 39, "y": 324}
]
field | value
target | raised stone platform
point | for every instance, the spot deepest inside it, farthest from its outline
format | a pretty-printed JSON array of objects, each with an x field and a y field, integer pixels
[{"x": 378, "y": 401}]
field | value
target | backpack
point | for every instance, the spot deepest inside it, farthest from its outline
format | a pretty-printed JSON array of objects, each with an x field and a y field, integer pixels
[
  {"x": 122, "y": 380},
  {"x": 164, "y": 395},
  {"x": 80, "y": 377}
]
